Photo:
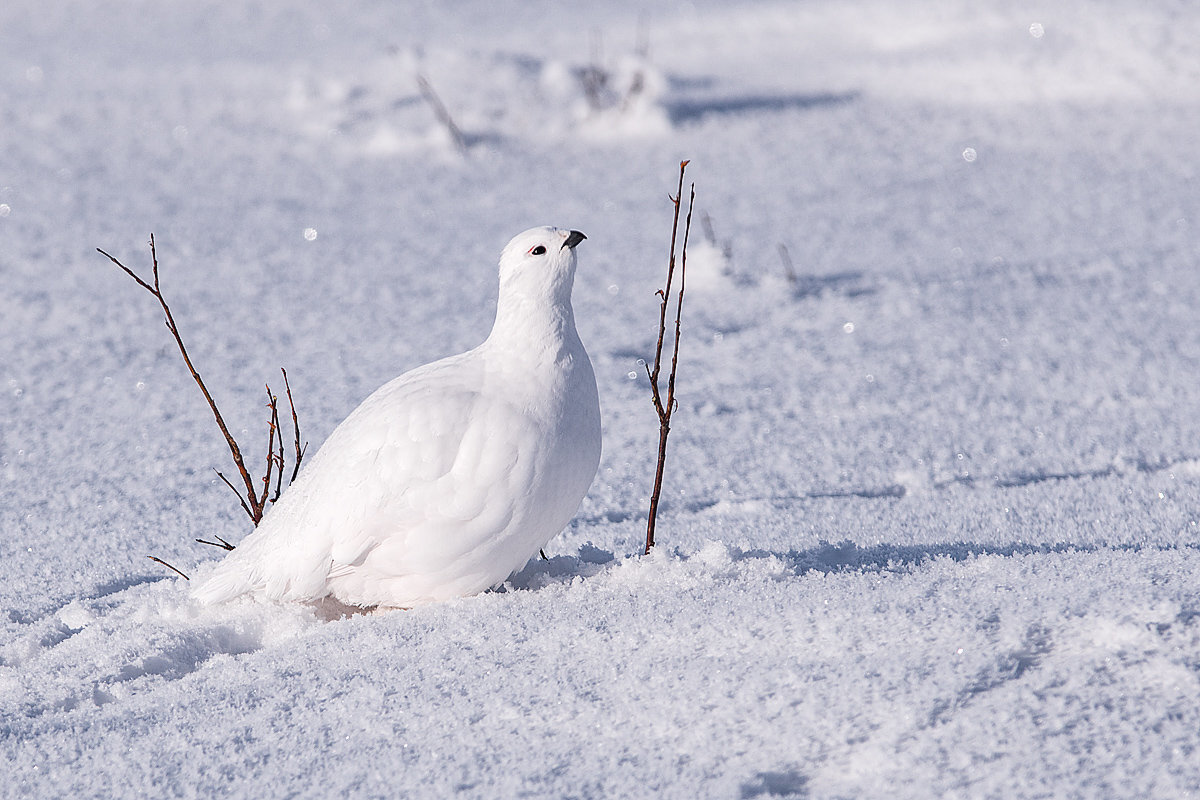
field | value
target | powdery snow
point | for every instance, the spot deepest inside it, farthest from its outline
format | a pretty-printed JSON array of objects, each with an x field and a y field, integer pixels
[{"x": 930, "y": 520}]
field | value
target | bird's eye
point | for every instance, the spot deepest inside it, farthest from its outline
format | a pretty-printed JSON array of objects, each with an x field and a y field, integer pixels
[{"x": 539, "y": 250}]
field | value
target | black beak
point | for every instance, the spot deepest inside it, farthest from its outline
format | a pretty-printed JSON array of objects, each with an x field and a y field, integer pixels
[{"x": 575, "y": 238}]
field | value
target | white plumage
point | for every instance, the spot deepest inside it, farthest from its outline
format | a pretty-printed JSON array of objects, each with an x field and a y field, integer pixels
[{"x": 450, "y": 477}]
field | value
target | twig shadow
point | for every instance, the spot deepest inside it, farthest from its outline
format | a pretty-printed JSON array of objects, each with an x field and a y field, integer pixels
[
  {"x": 846, "y": 284},
  {"x": 690, "y": 110}
]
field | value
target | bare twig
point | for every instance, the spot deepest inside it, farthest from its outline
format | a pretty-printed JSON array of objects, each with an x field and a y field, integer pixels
[
  {"x": 300, "y": 451},
  {"x": 665, "y": 410},
  {"x": 278, "y": 457},
  {"x": 168, "y": 566},
  {"x": 443, "y": 116},
  {"x": 252, "y": 500},
  {"x": 274, "y": 459},
  {"x": 234, "y": 489},
  {"x": 255, "y": 508},
  {"x": 687, "y": 229},
  {"x": 221, "y": 543}
]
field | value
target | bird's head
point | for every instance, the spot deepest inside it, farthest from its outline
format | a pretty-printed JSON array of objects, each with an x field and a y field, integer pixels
[{"x": 540, "y": 260}]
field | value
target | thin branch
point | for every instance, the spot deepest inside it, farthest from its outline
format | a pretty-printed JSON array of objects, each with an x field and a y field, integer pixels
[
  {"x": 275, "y": 456},
  {"x": 272, "y": 425},
  {"x": 251, "y": 501},
  {"x": 664, "y": 294},
  {"x": 666, "y": 410},
  {"x": 255, "y": 507},
  {"x": 168, "y": 566},
  {"x": 221, "y": 543},
  {"x": 687, "y": 229},
  {"x": 280, "y": 463},
  {"x": 295, "y": 427},
  {"x": 238, "y": 494}
]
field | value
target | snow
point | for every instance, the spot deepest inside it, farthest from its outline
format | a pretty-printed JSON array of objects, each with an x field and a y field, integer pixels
[{"x": 929, "y": 522}]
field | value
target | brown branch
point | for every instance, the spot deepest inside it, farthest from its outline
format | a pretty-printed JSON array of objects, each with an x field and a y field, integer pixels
[
  {"x": 275, "y": 456},
  {"x": 272, "y": 424},
  {"x": 279, "y": 457},
  {"x": 671, "y": 401},
  {"x": 168, "y": 566},
  {"x": 251, "y": 502},
  {"x": 664, "y": 294},
  {"x": 279, "y": 473},
  {"x": 236, "y": 493},
  {"x": 255, "y": 507},
  {"x": 295, "y": 427},
  {"x": 665, "y": 410},
  {"x": 224, "y": 545}
]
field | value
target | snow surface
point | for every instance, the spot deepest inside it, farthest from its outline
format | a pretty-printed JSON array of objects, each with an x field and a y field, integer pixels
[{"x": 930, "y": 523}]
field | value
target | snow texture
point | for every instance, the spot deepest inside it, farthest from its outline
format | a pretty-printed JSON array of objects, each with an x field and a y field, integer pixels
[{"x": 930, "y": 515}]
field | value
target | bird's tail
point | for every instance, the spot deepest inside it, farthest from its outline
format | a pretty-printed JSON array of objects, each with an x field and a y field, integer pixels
[{"x": 226, "y": 580}]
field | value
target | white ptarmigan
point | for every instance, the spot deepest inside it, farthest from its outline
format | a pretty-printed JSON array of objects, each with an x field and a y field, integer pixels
[{"x": 450, "y": 477}]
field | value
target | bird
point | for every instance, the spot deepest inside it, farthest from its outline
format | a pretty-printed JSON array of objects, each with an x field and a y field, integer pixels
[{"x": 450, "y": 477}]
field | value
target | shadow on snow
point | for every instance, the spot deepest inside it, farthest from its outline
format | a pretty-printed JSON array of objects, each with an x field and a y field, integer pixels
[{"x": 685, "y": 111}]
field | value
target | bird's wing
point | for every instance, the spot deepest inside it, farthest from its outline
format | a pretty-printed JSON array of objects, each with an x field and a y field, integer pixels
[{"x": 412, "y": 479}]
